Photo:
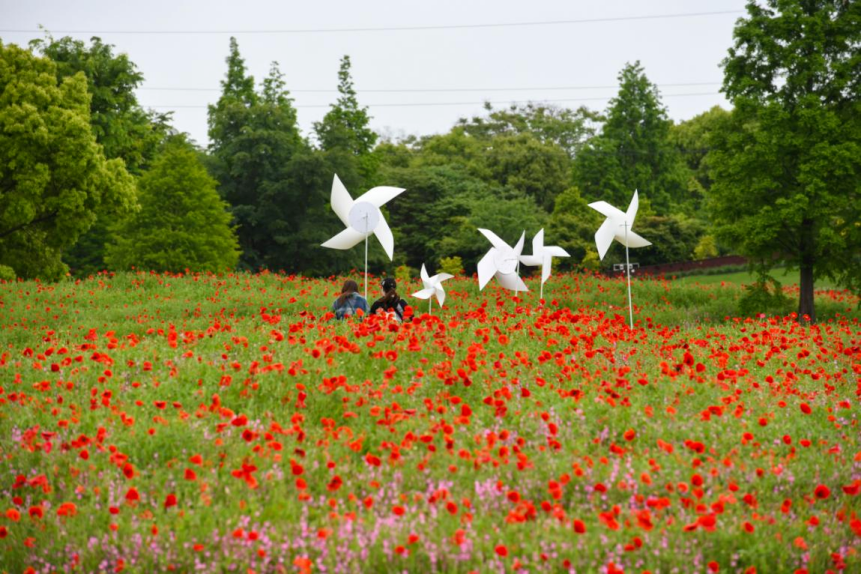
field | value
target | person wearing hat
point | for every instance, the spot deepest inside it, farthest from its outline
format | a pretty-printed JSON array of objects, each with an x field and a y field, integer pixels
[{"x": 390, "y": 302}]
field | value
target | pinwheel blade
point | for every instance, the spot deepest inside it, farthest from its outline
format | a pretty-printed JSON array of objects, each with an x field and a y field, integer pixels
[
  {"x": 486, "y": 269},
  {"x": 440, "y": 277},
  {"x": 518, "y": 249},
  {"x": 530, "y": 260},
  {"x": 512, "y": 282},
  {"x": 606, "y": 209},
  {"x": 555, "y": 251},
  {"x": 424, "y": 293},
  {"x": 384, "y": 234},
  {"x": 379, "y": 196},
  {"x": 546, "y": 267},
  {"x": 494, "y": 239},
  {"x": 537, "y": 243},
  {"x": 634, "y": 240},
  {"x": 424, "y": 275},
  {"x": 345, "y": 240},
  {"x": 604, "y": 236},
  {"x": 341, "y": 201},
  {"x": 440, "y": 295},
  {"x": 632, "y": 209}
]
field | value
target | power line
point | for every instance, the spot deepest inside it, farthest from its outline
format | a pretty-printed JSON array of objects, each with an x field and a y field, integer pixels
[
  {"x": 440, "y": 90},
  {"x": 408, "y": 105},
  {"x": 392, "y": 28}
]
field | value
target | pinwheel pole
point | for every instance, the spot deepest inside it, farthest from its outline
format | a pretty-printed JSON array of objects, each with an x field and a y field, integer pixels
[
  {"x": 628, "y": 273},
  {"x": 366, "y": 256}
]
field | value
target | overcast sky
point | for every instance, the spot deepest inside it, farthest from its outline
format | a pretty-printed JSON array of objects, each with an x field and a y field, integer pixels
[{"x": 496, "y": 63}]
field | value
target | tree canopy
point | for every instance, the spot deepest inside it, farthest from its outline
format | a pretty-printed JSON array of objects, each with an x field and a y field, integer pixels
[
  {"x": 182, "y": 224},
  {"x": 54, "y": 176},
  {"x": 787, "y": 163}
]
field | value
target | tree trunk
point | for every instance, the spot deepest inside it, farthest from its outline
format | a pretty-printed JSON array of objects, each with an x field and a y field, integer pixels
[{"x": 805, "y": 296}]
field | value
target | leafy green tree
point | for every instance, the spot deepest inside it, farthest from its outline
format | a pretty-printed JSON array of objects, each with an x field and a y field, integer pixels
[
  {"x": 254, "y": 138},
  {"x": 540, "y": 170},
  {"x": 633, "y": 151},
  {"x": 344, "y": 128},
  {"x": 572, "y": 226},
  {"x": 183, "y": 223},
  {"x": 566, "y": 128},
  {"x": 121, "y": 126},
  {"x": 691, "y": 139},
  {"x": 54, "y": 177},
  {"x": 787, "y": 163}
]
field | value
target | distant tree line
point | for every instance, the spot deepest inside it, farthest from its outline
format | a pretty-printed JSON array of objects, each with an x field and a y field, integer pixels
[{"x": 90, "y": 180}]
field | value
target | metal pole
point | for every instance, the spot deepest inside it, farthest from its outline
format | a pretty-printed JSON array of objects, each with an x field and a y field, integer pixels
[
  {"x": 541, "y": 295},
  {"x": 430, "y": 300},
  {"x": 628, "y": 272},
  {"x": 366, "y": 261}
]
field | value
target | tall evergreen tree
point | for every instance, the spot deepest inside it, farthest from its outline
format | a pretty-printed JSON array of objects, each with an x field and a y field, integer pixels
[
  {"x": 344, "y": 131},
  {"x": 632, "y": 150},
  {"x": 182, "y": 224},
  {"x": 787, "y": 163}
]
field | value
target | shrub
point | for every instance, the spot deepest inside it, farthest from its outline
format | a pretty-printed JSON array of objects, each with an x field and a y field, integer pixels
[{"x": 453, "y": 265}]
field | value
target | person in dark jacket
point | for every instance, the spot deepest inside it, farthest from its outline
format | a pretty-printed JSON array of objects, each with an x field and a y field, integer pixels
[
  {"x": 349, "y": 302},
  {"x": 390, "y": 302}
]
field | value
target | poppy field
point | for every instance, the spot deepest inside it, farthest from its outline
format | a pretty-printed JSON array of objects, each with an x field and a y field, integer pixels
[{"x": 225, "y": 423}]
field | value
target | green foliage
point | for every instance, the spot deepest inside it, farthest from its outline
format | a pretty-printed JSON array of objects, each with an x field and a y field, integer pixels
[
  {"x": 706, "y": 248},
  {"x": 345, "y": 126},
  {"x": 633, "y": 150},
  {"x": 6, "y": 273},
  {"x": 523, "y": 162},
  {"x": 562, "y": 127},
  {"x": 765, "y": 296},
  {"x": 255, "y": 149},
  {"x": 182, "y": 224},
  {"x": 121, "y": 126},
  {"x": 404, "y": 274},
  {"x": 54, "y": 177},
  {"x": 787, "y": 162},
  {"x": 451, "y": 265},
  {"x": 572, "y": 226},
  {"x": 691, "y": 139}
]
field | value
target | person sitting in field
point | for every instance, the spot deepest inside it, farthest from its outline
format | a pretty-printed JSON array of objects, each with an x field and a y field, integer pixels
[
  {"x": 349, "y": 302},
  {"x": 390, "y": 303}
]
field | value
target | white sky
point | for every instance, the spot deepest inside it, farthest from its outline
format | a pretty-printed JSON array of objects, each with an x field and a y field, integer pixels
[{"x": 682, "y": 50}]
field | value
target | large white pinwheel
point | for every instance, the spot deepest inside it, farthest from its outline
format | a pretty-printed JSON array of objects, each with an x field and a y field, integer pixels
[
  {"x": 501, "y": 262},
  {"x": 432, "y": 287},
  {"x": 618, "y": 226},
  {"x": 542, "y": 255},
  {"x": 362, "y": 218}
]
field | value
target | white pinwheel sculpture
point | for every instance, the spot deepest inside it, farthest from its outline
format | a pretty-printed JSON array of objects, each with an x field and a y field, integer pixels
[
  {"x": 432, "y": 287},
  {"x": 362, "y": 218},
  {"x": 618, "y": 226},
  {"x": 501, "y": 262},
  {"x": 542, "y": 255}
]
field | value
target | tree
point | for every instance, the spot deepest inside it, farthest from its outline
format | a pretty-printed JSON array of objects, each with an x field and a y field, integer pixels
[
  {"x": 568, "y": 129},
  {"x": 540, "y": 170},
  {"x": 786, "y": 164},
  {"x": 183, "y": 223},
  {"x": 344, "y": 128},
  {"x": 254, "y": 138},
  {"x": 54, "y": 177},
  {"x": 121, "y": 126},
  {"x": 632, "y": 150}
]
